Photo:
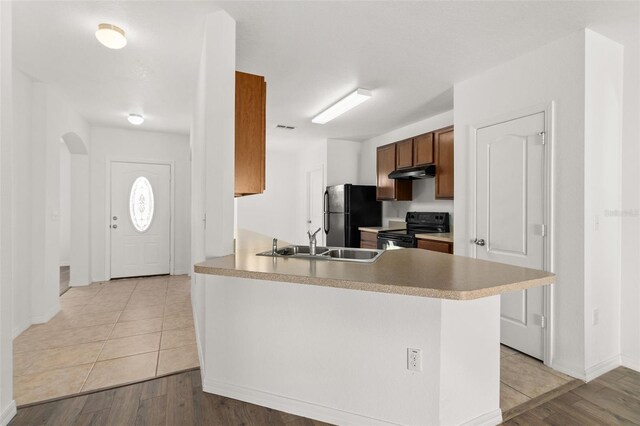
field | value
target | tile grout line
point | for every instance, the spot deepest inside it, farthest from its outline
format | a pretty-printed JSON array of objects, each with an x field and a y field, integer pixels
[{"x": 105, "y": 342}]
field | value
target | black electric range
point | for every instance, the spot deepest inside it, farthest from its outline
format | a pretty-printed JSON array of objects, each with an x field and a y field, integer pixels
[{"x": 417, "y": 223}]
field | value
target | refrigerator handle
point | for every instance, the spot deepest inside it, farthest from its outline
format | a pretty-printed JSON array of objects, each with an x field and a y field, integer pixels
[
  {"x": 325, "y": 202},
  {"x": 325, "y": 213}
]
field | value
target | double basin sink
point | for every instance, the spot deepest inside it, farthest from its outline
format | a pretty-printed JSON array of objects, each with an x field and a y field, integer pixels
[{"x": 326, "y": 253}]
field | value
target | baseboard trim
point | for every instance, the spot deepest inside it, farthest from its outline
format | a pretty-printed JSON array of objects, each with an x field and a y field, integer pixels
[
  {"x": 491, "y": 418},
  {"x": 568, "y": 371},
  {"x": 289, "y": 405},
  {"x": 7, "y": 413},
  {"x": 19, "y": 329},
  {"x": 41, "y": 319},
  {"x": 602, "y": 367},
  {"x": 631, "y": 363}
]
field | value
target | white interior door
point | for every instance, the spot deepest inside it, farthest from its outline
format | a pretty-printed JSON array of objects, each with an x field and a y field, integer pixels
[
  {"x": 315, "y": 193},
  {"x": 140, "y": 219},
  {"x": 510, "y": 219}
]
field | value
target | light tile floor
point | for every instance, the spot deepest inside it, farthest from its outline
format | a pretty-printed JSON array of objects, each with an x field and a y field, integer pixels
[
  {"x": 107, "y": 334},
  {"x": 523, "y": 378}
]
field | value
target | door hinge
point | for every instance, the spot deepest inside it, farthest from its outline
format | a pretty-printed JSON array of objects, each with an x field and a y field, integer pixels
[
  {"x": 543, "y": 137},
  {"x": 204, "y": 219},
  {"x": 543, "y": 230},
  {"x": 543, "y": 321}
]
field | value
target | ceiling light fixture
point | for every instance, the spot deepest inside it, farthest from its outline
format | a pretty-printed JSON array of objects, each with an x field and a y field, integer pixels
[
  {"x": 136, "y": 119},
  {"x": 111, "y": 36},
  {"x": 352, "y": 100}
]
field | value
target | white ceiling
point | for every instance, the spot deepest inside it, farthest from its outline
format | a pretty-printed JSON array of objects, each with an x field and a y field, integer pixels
[{"x": 311, "y": 53}]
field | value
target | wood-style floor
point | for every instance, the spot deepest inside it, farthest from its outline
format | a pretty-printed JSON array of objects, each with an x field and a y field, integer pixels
[
  {"x": 176, "y": 400},
  {"x": 611, "y": 399}
]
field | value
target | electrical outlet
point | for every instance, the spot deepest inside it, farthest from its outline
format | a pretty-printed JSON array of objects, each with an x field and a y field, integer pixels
[
  {"x": 596, "y": 317},
  {"x": 414, "y": 359}
]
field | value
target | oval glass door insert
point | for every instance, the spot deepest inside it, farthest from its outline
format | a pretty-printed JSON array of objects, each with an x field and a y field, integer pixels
[{"x": 141, "y": 204}]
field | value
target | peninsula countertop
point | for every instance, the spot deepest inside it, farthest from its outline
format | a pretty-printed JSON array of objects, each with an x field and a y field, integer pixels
[
  {"x": 409, "y": 271},
  {"x": 446, "y": 237},
  {"x": 376, "y": 229}
]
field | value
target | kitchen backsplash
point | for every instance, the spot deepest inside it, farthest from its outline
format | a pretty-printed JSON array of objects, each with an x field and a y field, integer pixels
[{"x": 423, "y": 201}]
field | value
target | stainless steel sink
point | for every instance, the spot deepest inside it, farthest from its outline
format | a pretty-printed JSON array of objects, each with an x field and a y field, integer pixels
[
  {"x": 327, "y": 253},
  {"x": 298, "y": 250},
  {"x": 362, "y": 255}
]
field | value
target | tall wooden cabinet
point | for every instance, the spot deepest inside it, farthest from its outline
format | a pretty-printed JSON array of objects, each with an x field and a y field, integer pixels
[
  {"x": 443, "y": 144},
  {"x": 250, "y": 143},
  {"x": 390, "y": 189}
]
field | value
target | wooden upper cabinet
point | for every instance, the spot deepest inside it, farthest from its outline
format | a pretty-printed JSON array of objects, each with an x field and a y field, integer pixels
[
  {"x": 423, "y": 150},
  {"x": 390, "y": 189},
  {"x": 404, "y": 154},
  {"x": 443, "y": 141},
  {"x": 250, "y": 135}
]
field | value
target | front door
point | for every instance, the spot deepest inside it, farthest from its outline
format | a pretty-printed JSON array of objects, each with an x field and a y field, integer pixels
[
  {"x": 140, "y": 219},
  {"x": 510, "y": 166}
]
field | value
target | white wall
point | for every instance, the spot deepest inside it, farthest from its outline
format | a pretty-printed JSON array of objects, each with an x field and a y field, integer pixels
[
  {"x": 274, "y": 212},
  {"x": 630, "y": 220},
  {"x": 343, "y": 162},
  {"x": 522, "y": 83},
  {"x": 423, "y": 189},
  {"x": 603, "y": 135},
  {"x": 7, "y": 403},
  {"x": 52, "y": 117},
  {"x": 109, "y": 144},
  {"x": 22, "y": 181},
  {"x": 65, "y": 204},
  {"x": 212, "y": 154},
  {"x": 341, "y": 361}
]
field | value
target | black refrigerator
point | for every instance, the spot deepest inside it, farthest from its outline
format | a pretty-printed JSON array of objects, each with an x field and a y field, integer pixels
[{"x": 346, "y": 208}]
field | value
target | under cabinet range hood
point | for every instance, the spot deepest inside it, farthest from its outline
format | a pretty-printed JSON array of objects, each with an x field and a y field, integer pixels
[{"x": 420, "y": 172}]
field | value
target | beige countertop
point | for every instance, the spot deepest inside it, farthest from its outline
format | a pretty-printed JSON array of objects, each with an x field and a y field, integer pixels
[
  {"x": 412, "y": 272},
  {"x": 446, "y": 237},
  {"x": 376, "y": 229}
]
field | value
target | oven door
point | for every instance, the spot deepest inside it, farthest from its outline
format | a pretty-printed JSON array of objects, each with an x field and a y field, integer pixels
[{"x": 392, "y": 242}]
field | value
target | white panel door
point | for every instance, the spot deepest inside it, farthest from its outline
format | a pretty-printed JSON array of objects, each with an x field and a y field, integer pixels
[
  {"x": 315, "y": 192},
  {"x": 140, "y": 219},
  {"x": 509, "y": 219}
]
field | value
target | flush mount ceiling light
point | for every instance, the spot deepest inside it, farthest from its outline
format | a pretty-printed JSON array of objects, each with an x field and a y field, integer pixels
[
  {"x": 352, "y": 100},
  {"x": 136, "y": 119},
  {"x": 111, "y": 36}
]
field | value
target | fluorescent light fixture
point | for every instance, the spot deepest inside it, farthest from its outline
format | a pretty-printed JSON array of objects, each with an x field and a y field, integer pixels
[
  {"x": 136, "y": 119},
  {"x": 345, "y": 104},
  {"x": 111, "y": 36}
]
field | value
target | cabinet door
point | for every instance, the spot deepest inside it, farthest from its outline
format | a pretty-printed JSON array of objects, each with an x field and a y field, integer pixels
[
  {"x": 439, "y": 246},
  {"x": 423, "y": 150},
  {"x": 444, "y": 163},
  {"x": 368, "y": 240},
  {"x": 250, "y": 134},
  {"x": 386, "y": 163},
  {"x": 404, "y": 154}
]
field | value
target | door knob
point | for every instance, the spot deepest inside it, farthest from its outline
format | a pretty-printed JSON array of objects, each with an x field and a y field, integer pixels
[
  {"x": 115, "y": 226},
  {"x": 478, "y": 242}
]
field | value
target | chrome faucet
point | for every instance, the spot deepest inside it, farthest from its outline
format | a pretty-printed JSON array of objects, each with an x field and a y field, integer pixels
[
  {"x": 274, "y": 246},
  {"x": 312, "y": 242}
]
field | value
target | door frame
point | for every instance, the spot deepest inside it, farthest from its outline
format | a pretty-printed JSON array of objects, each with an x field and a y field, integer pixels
[
  {"x": 548, "y": 187},
  {"x": 308, "y": 200},
  {"x": 107, "y": 252}
]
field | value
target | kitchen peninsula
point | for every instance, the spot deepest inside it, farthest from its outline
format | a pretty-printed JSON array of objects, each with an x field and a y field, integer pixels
[{"x": 331, "y": 340}]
